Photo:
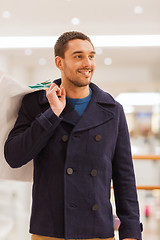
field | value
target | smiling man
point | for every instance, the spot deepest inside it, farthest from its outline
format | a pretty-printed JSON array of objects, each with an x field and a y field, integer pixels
[{"x": 78, "y": 137}]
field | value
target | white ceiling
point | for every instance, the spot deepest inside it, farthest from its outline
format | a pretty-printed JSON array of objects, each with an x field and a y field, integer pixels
[
  {"x": 96, "y": 17},
  {"x": 103, "y": 17}
]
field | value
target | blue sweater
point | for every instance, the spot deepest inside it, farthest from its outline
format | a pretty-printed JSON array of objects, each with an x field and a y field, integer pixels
[{"x": 80, "y": 104}]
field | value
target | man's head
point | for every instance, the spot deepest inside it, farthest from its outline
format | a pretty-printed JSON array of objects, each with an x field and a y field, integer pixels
[
  {"x": 74, "y": 56},
  {"x": 62, "y": 42}
]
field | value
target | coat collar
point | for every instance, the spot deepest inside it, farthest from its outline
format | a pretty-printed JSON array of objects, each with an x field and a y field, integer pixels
[
  {"x": 101, "y": 96},
  {"x": 96, "y": 113}
]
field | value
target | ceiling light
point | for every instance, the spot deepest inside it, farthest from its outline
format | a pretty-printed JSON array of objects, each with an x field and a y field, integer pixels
[
  {"x": 108, "y": 61},
  {"x": 139, "y": 99},
  {"x": 28, "y": 42},
  {"x": 28, "y": 51},
  {"x": 42, "y": 61},
  {"x": 6, "y": 14},
  {"x": 138, "y": 9},
  {"x": 126, "y": 40},
  {"x": 75, "y": 21},
  {"x": 98, "y": 41}
]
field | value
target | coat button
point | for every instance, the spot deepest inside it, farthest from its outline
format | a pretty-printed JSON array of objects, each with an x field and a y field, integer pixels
[
  {"x": 94, "y": 173},
  {"x": 69, "y": 171},
  {"x": 98, "y": 137},
  {"x": 65, "y": 138},
  {"x": 95, "y": 207}
]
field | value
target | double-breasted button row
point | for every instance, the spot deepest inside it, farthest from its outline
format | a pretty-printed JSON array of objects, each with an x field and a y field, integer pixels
[
  {"x": 93, "y": 172},
  {"x": 94, "y": 207},
  {"x": 98, "y": 138}
]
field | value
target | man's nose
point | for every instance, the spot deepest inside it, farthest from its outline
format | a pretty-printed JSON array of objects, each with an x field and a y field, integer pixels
[{"x": 87, "y": 62}]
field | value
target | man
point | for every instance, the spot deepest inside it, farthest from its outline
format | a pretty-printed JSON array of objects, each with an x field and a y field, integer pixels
[{"x": 77, "y": 135}]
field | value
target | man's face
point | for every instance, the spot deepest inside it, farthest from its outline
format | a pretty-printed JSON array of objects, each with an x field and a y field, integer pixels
[{"x": 78, "y": 63}]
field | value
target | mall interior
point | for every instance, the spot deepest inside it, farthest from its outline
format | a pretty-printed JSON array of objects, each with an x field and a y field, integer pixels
[{"x": 126, "y": 36}]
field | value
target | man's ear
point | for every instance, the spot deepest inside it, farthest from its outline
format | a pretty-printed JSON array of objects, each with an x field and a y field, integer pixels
[{"x": 58, "y": 62}]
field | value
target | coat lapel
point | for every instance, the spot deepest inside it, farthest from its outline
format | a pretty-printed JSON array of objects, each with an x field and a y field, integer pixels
[
  {"x": 97, "y": 112},
  {"x": 94, "y": 115},
  {"x": 69, "y": 114}
]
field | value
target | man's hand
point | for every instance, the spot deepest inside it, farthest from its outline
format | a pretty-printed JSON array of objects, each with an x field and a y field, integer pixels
[{"x": 57, "y": 98}]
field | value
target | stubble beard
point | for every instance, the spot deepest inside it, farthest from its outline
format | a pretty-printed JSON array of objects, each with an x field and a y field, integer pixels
[{"x": 80, "y": 83}]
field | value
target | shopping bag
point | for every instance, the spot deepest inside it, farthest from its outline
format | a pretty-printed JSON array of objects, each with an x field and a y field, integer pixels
[{"x": 11, "y": 94}]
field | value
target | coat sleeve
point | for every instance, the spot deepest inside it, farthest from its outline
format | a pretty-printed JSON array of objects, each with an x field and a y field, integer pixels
[
  {"x": 29, "y": 135},
  {"x": 124, "y": 184}
]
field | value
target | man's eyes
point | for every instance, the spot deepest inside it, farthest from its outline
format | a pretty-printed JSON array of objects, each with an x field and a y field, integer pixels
[
  {"x": 80, "y": 56},
  {"x": 91, "y": 56}
]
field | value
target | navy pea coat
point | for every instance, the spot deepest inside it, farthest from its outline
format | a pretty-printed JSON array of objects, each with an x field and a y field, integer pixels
[{"x": 75, "y": 159}]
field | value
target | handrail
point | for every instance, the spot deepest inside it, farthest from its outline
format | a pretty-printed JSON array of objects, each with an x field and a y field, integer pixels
[
  {"x": 146, "y": 157},
  {"x": 145, "y": 187},
  {"x": 148, "y": 187}
]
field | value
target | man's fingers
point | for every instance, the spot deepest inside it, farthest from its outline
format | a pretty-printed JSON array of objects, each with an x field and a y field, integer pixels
[
  {"x": 53, "y": 85},
  {"x": 53, "y": 90},
  {"x": 57, "y": 98},
  {"x": 56, "y": 91}
]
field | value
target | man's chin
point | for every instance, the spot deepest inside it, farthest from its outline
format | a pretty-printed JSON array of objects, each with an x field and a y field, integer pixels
[{"x": 82, "y": 83}]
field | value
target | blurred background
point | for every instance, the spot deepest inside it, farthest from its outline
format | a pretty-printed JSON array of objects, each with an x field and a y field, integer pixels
[{"x": 126, "y": 35}]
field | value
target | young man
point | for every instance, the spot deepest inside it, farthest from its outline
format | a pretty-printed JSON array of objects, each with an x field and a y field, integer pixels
[{"x": 77, "y": 135}]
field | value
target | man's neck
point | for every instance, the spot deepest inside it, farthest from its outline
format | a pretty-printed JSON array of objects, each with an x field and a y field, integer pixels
[{"x": 76, "y": 92}]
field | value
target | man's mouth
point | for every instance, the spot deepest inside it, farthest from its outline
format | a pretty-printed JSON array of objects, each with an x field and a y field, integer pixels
[{"x": 85, "y": 72}]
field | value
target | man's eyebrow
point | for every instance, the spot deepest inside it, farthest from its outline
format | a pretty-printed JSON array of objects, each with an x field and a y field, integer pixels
[
  {"x": 93, "y": 52},
  {"x": 77, "y": 52}
]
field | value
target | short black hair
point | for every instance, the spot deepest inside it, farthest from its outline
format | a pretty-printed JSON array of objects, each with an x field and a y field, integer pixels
[{"x": 61, "y": 43}]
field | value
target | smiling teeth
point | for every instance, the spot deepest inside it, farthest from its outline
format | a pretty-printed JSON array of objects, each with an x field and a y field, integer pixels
[{"x": 84, "y": 71}]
